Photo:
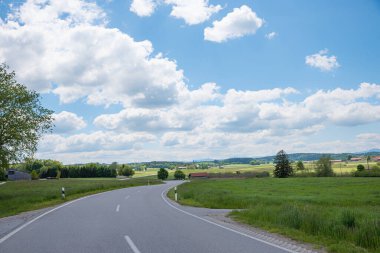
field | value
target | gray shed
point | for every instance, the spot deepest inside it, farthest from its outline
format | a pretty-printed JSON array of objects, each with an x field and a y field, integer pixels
[{"x": 18, "y": 175}]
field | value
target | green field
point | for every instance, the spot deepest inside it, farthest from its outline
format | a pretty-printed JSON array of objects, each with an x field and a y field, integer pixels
[
  {"x": 341, "y": 214},
  {"x": 21, "y": 196}
]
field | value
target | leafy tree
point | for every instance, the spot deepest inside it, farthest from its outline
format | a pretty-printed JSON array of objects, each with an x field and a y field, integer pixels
[
  {"x": 300, "y": 166},
  {"x": 282, "y": 165},
  {"x": 34, "y": 175},
  {"x": 324, "y": 168},
  {"x": 360, "y": 167},
  {"x": 22, "y": 119},
  {"x": 179, "y": 175},
  {"x": 162, "y": 174}
]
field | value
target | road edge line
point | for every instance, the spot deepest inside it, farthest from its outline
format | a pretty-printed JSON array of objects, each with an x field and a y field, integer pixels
[{"x": 221, "y": 226}]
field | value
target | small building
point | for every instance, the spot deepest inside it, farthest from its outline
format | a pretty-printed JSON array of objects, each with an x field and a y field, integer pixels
[
  {"x": 14, "y": 175},
  {"x": 376, "y": 158},
  {"x": 355, "y": 159},
  {"x": 335, "y": 161},
  {"x": 198, "y": 175}
]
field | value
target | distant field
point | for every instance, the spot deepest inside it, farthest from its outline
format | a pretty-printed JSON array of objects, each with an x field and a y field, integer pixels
[
  {"x": 339, "y": 168},
  {"x": 339, "y": 213},
  {"x": 21, "y": 196}
]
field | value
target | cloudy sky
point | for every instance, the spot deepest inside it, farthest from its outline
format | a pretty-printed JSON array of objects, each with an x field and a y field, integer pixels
[{"x": 141, "y": 80}]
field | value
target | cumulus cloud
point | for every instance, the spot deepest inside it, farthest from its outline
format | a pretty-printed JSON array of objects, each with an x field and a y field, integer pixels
[
  {"x": 66, "y": 122},
  {"x": 68, "y": 44},
  {"x": 192, "y": 11},
  {"x": 322, "y": 61},
  {"x": 143, "y": 8},
  {"x": 238, "y": 23}
]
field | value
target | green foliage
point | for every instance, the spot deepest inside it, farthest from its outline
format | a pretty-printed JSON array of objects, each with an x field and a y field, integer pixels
[
  {"x": 367, "y": 173},
  {"x": 282, "y": 165},
  {"x": 179, "y": 175},
  {"x": 360, "y": 167},
  {"x": 300, "y": 166},
  {"x": 375, "y": 167},
  {"x": 349, "y": 218},
  {"x": 23, "y": 119},
  {"x": 2, "y": 175},
  {"x": 162, "y": 174},
  {"x": 126, "y": 170},
  {"x": 87, "y": 171},
  {"x": 324, "y": 168},
  {"x": 34, "y": 175}
]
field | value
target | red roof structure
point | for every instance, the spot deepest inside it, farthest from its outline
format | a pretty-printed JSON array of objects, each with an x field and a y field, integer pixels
[{"x": 198, "y": 175}]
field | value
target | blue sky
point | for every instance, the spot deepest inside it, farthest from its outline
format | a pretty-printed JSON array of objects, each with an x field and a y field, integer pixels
[{"x": 180, "y": 80}]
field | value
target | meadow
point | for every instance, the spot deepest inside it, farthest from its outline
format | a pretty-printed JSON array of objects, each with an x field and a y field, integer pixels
[
  {"x": 340, "y": 213},
  {"x": 21, "y": 196}
]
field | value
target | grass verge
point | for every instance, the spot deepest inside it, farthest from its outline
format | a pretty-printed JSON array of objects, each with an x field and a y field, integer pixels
[
  {"x": 21, "y": 196},
  {"x": 341, "y": 214}
]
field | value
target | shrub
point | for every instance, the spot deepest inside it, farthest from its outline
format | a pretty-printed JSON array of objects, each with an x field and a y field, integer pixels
[
  {"x": 179, "y": 175},
  {"x": 367, "y": 173},
  {"x": 162, "y": 174},
  {"x": 360, "y": 167},
  {"x": 300, "y": 166},
  {"x": 375, "y": 167},
  {"x": 324, "y": 168},
  {"x": 126, "y": 171},
  {"x": 34, "y": 175}
]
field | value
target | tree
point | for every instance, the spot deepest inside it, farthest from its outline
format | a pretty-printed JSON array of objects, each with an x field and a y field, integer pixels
[
  {"x": 282, "y": 167},
  {"x": 23, "y": 119},
  {"x": 300, "y": 166},
  {"x": 324, "y": 168},
  {"x": 179, "y": 175},
  {"x": 162, "y": 174},
  {"x": 360, "y": 167}
]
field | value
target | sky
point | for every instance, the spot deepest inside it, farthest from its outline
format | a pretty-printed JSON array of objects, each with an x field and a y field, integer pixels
[{"x": 144, "y": 80}]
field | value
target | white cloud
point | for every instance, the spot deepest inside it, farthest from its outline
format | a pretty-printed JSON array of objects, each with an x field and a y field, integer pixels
[
  {"x": 271, "y": 35},
  {"x": 238, "y": 23},
  {"x": 322, "y": 61},
  {"x": 68, "y": 43},
  {"x": 192, "y": 11},
  {"x": 143, "y": 8},
  {"x": 66, "y": 122}
]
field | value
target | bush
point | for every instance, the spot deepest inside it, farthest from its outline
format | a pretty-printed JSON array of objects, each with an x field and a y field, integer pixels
[
  {"x": 360, "y": 167},
  {"x": 2, "y": 175},
  {"x": 126, "y": 171},
  {"x": 367, "y": 173},
  {"x": 162, "y": 174},
  {"x": 375, "y": 167},
  {"x": 324, "y": 168},
  {"x": 34, "y": 175},
  {"x": 179, "y": 175}
]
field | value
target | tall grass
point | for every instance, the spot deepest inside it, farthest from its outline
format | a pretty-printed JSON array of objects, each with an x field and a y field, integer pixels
[{"x": 342, "y": 214}]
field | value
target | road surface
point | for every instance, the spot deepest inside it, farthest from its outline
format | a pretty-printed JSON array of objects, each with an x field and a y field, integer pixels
[{"x": 136, "y": 220}]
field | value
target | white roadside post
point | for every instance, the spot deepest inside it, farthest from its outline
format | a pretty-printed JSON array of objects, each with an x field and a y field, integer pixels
[
  {"x": 63, "y": 192},
  {"x": 175, "y": 194}
]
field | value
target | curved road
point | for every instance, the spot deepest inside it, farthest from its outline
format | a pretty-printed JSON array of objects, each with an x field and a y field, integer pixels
[{"x": 136, "y": 220}]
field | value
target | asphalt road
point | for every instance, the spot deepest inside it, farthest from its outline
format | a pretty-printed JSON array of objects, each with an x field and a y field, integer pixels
[{"x": 136, "y": 220}]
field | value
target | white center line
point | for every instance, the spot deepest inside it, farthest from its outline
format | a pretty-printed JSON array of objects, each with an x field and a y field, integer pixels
[
  {"x": 131, "y": 244},
  {"x": 117, "y": 208},
  {"x": 127, "y": 197}
]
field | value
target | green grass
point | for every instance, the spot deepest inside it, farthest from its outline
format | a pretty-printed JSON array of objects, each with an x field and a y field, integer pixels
[
  {"x": 341, "y": 214},
  {"x": 21, "y": 196}
]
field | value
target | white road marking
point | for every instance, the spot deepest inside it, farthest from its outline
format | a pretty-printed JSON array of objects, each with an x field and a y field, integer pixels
[
  {"x": 40, "y": 216},
  {"x": 127, "y": 197},
  {"x": 118, "y": 208},
  {"x": 131, "y": 244},
  {"x": 221, "y": 226}
]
